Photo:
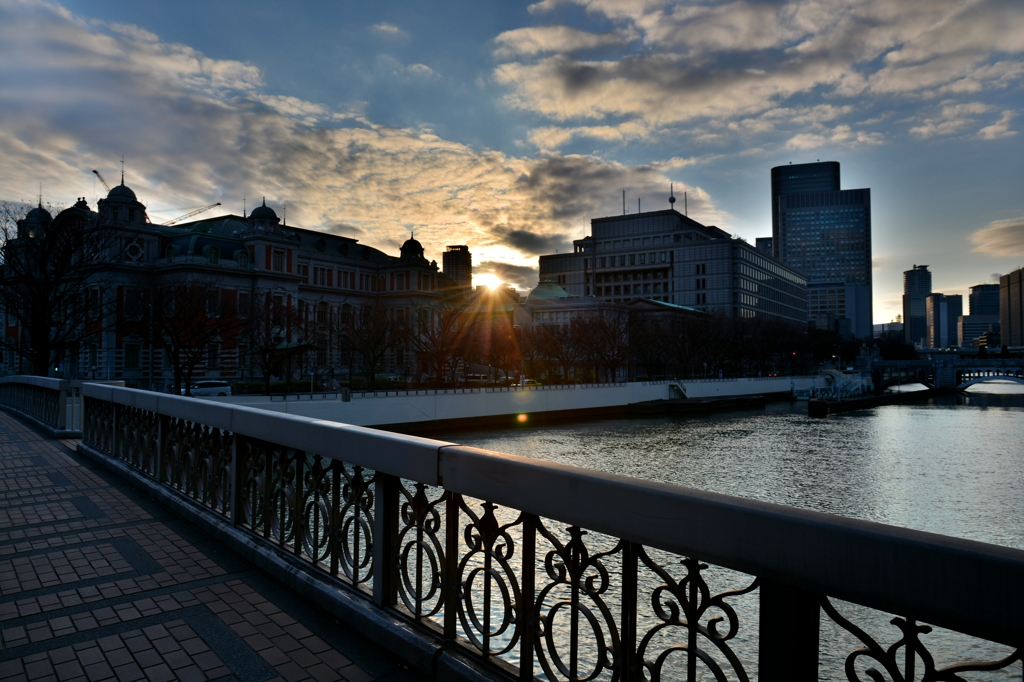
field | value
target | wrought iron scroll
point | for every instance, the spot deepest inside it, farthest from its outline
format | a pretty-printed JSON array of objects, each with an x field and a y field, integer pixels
[
  {"x": 570, "y": 567},
  {"x": 197, "y": 462},
  {"x": 489, "y": 594},
  {"x": 689, "y": 605},
  {"x": 355, "y": 526},
  {"x": 137, "y": 438},
  {"x": 422, "y": 574},
  {"x": 899, "y": 660}
]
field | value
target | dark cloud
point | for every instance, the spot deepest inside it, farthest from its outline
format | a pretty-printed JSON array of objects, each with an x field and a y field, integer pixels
[
  {"x": 529, "y": 242},
  {"x": 522, "y": 277},
  {"x": 347, "y": 230}
]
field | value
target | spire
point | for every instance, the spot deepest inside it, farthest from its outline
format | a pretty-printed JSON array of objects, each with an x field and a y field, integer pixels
[
  {"x": 671, "y": 195},
  {"x": 122, "y": 171},
  {"x": 264, "y": 201}
]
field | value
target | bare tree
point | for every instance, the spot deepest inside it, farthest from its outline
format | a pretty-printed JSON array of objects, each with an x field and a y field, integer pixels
[
  {"x": 566, "y": 344},
  {"x": 368, "y": 333},
  {"x": 47, "y": 265},
  {"x": 190, "y": 316},
  {"x": 442, "y": 334},
  {"x": 273, "y": 332}
]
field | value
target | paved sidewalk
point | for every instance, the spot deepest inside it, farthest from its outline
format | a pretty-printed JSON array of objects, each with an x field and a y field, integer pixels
[{"x": 98, "y": 582}]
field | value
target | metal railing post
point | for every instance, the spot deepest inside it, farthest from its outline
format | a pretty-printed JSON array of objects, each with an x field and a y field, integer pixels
[
  {"x": 788, "y": 631},
  {"x": 527, "y": 632},
  {"x": 62, "y": 409},
  {"x": 451, "y": 564},
  {"x": 236, "y": 480},
  {"x": 385, "y": 539}
]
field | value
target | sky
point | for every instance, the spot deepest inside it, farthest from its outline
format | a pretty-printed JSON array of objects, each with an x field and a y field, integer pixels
[{"x": 509, "y": 126}]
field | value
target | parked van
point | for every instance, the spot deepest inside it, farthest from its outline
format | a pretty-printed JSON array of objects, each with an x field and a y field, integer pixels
[{"x": 219, "y": 388}]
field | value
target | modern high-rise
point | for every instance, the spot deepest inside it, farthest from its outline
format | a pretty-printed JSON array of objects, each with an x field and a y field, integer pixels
[
  {"x": 824, "y": 232},
  {"x": 1011, "y": 308},
  {"x": 942, "y": 312},
  {"x": 668, "y": 257},
  {"x": 917, "y": 287},
  {"x": 457, "y": 264},
  {"x": 983, "y": 314}
]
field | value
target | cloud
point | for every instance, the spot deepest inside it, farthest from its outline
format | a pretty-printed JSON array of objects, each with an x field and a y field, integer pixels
[
  {"x": 387, "y": 29},
  {"x": 840, "y": 135},
  {"x": 998, "y": 130},
  {"x": 521, "y": 277},
  {"x": 527, "y": 42},
  {"x": 77, "y": 94},
  {"x": 1001, "y": 238},
  {"x": 952, "y": 118},
  {"x": 718, "y": 63}
]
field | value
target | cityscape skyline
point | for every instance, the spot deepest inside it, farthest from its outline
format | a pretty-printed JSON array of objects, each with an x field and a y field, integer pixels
[{"x": 511, "y": 133}]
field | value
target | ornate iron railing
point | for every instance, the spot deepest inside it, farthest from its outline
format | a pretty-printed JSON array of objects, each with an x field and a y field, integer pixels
[
  {"x": 41, "y": 398},
  {"x": 549, "y": 571}
]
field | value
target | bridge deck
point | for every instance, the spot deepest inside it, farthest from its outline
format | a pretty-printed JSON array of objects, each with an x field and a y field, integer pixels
[{"x": 99, "y": 583}]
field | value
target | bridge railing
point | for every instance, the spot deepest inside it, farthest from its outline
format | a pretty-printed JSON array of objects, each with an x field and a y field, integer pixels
[
  {"x": 533, "y": 569},
  {"x": 41, "y": 399}
]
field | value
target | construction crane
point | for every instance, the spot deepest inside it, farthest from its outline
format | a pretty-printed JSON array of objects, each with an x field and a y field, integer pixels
[
  {"x": 169, "y": 223},
  {"x": 97, "y": 174}
]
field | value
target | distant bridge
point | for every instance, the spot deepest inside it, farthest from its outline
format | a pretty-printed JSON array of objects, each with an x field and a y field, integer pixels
[{"x": 946, "y": 372}]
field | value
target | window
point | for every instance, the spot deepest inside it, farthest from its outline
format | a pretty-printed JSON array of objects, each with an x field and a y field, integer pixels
[
  {"x": 322, "y": 310},
  {"x": 277, "y": 261},
  {"x": 133, "y": 305},
  {"x": 243, "y": 357},
  {"x": 212, "y": 355},
  {"x": 244, "y": 303},
  {"x": 277, "y": 310},
  {"x": 320, "y": 277},
  {"x": 399, "y": 356},
  {"x": 213, "y": 255},
  {"x": 400, "y": 282},
  {"x": 346, "y": 314},
  {"x": 243, "y": 258},
  {"x": 304, "y": 271},
  {"x": 213, "y": 301},
  {"x": 132, "y": 356}
]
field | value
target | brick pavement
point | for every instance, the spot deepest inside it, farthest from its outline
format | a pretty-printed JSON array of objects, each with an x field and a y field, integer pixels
[{"x": 98, "y": 582}]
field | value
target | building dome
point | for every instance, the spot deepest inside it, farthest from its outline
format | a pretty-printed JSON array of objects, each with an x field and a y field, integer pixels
[
  {"x": 412, "y": 249},
  {"x": 121, "y": 193},
  {"x": 38, "y": 215},
  {"x": 263, "y": 212},
  {"x": 546, "y": 291}
]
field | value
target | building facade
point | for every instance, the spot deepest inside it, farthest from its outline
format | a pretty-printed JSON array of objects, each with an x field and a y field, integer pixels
[
  {"x": 917, "y": 287},
  {"x": 983, "y": 314},
  {"x": 1011, "y": 308},
  {"x": 311, "y": 283},
  {"x": 665, "y": 256},
  {"x": 457, "y": 265},
  {"x": 824, "y": 232},
  {"x": 942, "y": 313}
]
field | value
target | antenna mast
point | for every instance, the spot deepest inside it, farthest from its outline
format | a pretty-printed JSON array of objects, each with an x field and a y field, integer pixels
[
  {"x": 623, "y": 202},
  {"x": 686, "y": 212}
]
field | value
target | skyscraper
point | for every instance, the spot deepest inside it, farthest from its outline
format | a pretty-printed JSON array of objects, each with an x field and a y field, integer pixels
[
  {"x": 983, "y": 315},
  {"x": 1011, "y": 308},
  {"x": 457, "y": 263},
  {"x": 825, "y": 233},
  {"x": 917, "y": 287},
  {"x": 942, "y": 312}
]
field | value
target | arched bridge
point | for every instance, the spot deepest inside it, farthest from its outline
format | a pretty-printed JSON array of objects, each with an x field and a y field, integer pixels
[{"x": 946, "y": 372}]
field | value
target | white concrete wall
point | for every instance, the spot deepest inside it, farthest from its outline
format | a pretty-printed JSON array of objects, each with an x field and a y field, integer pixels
[{"x": 400, "y": 409}]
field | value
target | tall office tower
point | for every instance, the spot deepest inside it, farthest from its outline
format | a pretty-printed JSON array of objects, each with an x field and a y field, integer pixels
[
  {"x": 983, "y": 315},
  {"x": 457, "y": 263},
  {"x": 917, "y": 287},
  {"x": 1011, "y": 308},
  {"x": 984, "y": 300},
  {"x": 825, "y": 233},
  {"x": 942, "y": 312}
]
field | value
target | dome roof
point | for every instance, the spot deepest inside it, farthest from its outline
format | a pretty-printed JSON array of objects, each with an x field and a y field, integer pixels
[
  {"x": 263, "y": 212},
  {"x": 546, "y": 291},
  {"x": 412, "y": 249},
  {"x": 121, "y": 193},
  {"x": 39, "y": 215}
]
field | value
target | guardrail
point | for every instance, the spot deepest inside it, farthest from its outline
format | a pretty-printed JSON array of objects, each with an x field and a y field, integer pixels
[
  {"x": 522, "y": 568},
  {"x": 41, "y": 399}
]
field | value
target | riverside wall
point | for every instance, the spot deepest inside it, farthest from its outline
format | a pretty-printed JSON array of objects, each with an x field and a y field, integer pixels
[{"x": 486, "y": 406}]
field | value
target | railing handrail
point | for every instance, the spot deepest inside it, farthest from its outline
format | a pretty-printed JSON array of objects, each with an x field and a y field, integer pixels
[
  {"x": 41, "y": 382},
  {"x": 899, "y": 570},
  {"x": 399, "y": 455},
  {"x": 889, "y": 568}
]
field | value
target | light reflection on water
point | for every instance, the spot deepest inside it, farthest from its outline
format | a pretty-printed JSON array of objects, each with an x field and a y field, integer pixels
[{"x": 953, "y": 465}]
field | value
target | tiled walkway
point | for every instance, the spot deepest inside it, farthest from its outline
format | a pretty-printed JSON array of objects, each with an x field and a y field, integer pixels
[{"x": 99, "y": 583}]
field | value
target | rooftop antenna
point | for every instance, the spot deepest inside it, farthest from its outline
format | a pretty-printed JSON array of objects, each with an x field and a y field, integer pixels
[
  {"x": 638, "y": 205},
  {"x": 623, "y": 202},
  {"x": 671, "y": 196},
  {"x": 122, "y": 170},
  {"x": 284, "y": 215},
  {"x": 686, "y": 211},
  {"x": 243, "y": 205},
  {"x": 40, "y": 195}
]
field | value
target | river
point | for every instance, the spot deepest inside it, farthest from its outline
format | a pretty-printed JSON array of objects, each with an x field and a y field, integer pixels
[{"x": 953, "y": 465}]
